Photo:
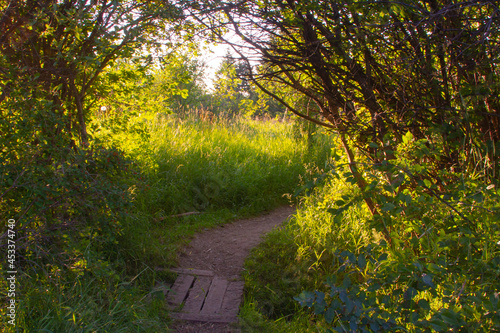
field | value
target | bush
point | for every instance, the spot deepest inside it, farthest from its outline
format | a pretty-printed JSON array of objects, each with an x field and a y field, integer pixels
[
  {"x": 432, "y": 262},
  {"x": 428, "y": 261},
  {"x": 68, "y": 206}
]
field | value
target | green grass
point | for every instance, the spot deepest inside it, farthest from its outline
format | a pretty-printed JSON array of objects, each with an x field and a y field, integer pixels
[
  {"x": 223, "y": 169},
  {"x": 297, "y": 257},
  {"x": 253, "y": 321},
  {"x": 412, "y": 282},
  {"x": 99, "y": 272},
  {"x": 88, "y": 303}
]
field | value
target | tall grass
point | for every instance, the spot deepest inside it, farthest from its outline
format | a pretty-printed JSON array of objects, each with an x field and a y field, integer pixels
[
  {"x": 97, "y": 271},
  {"x": 300, "y": 256},
  {"x": 438, "y": 271},
  {"x": 97, "y": 301},
  {"x": 221, "y": 169},
  {"x": 105, "y": 279}
]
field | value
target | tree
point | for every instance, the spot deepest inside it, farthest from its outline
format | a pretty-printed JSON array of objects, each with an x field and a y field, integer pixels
[
  {"x": 52, "y": 56},
  {"x": 180, "y": 79},
  {"x": 54, "y": 51},
  {"x": 378, "y": 70},
  {"x": 230, "y": 91},
  {"x": 171, "y": 83},
  {"x": 234, "y": 93}
]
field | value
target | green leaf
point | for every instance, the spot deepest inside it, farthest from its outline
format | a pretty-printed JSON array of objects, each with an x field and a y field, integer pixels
[
  {"x": 371, "y": 186},
  {"x": 386, "y": 300},
  {"x": 438, "y": 325},
  {"x": 343, "y": 296},
  {"x": 361, "y": 261},
  {"x": 347, "y": 282},
  {"x": 351, "y": 180},
  {"x": 306, "y": 298},
  {"x": 427, "y": 280},
  {"x": 410, "y": 293},
  {"x": 450, "y": 317},
  {"x": 334, "y": 211},
  {"x": 388, "y": 188},
  {"x": 184, "y": 93},
  {"x": 330, "y": 315},
  {"x": 424, "y": 304},
  {"x": 407, "y": 138},
  {"x": 388, "y": 207},
  {"x": 383, "y": 257}
]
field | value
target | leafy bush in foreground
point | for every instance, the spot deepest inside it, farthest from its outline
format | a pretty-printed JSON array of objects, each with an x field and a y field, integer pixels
[
  {"x": 428, "y": 261},
  {"x": 69, "y": 206}
]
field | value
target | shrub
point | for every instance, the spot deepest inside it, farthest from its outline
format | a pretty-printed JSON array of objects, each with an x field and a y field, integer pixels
[{"x": 433, "y": 263}]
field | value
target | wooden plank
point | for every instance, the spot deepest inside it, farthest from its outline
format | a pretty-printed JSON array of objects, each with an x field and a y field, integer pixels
[
  {"x": 207, "y": 298},
  {"x": 189, "y": 271},
  {"x": 213, "y": 301},
  {"x": 196, "y": 296},
  {"x": 176, "y": 215},
  {"x": 232, "y": 299},
  {"x": 180, "y": 289}
]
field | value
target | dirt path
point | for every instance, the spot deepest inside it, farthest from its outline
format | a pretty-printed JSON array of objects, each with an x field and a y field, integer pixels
[{"x": 223, "y": 251}]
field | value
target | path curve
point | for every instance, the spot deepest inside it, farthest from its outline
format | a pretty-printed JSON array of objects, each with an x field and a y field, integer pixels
[{"x": 223, "y": 251}]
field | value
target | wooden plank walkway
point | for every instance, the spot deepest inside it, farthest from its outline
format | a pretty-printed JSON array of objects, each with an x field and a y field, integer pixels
[{"x": 202, "y": 296}]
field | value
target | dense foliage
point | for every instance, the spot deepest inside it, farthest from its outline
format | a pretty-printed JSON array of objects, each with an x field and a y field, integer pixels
[
  {"x": 439, "y": 273},
  {"x": 67, "y": 196},
  {"x": 376, "y": 71},
  {"x": 410, "y": 88},
  {"x": 440, "y": 270},
  {"x": 406, "y": 224}
]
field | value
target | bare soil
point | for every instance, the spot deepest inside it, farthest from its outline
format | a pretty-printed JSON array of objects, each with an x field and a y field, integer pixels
[{"x": 223, "y": 250}]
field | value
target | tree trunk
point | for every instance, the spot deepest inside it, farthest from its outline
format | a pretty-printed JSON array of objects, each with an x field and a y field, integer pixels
[{"x": 80, "y": 117}]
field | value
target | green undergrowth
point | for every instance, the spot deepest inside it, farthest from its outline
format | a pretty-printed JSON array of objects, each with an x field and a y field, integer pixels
[
  {"x": 68, "y": 217},
  {"x": 197, "y": 174},
  {"x": 428, "y": 261},
  {"x": 95, "y": 224}
]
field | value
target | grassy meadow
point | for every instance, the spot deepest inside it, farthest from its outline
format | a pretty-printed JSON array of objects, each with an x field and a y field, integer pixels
[
  {"x": 101, "y": 275},
  {"x": 222, "y": 169},
  {"x": 426, "y": 262}
]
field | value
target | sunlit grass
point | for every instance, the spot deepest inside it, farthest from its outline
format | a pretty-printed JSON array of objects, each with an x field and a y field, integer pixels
[
  {"x": 326, "y": 253},
  {"x": 98, "y": 300},
  {"x": 222, "y": 170},
  {"x": 300, "y": 256}
]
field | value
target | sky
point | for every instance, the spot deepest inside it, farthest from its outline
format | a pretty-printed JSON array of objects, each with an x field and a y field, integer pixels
[{"x": 213, "y": 58}]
